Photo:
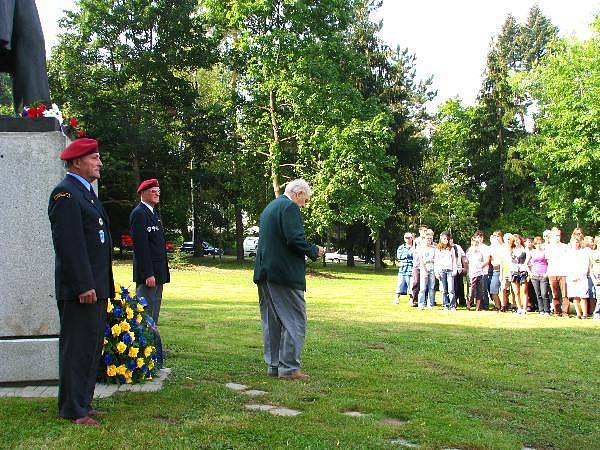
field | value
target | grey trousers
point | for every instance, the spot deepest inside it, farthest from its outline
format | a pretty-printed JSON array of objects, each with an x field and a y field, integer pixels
[
  {"x": 283, "y": 316},
  {"x": 154, "y": 298}
]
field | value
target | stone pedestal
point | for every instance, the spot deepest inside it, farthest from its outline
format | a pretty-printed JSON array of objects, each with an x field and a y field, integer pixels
[{"x": 29, "y": 325}]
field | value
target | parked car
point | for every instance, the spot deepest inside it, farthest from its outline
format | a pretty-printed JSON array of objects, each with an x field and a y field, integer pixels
[
  {"x": 126, "y": 242},
  {"x": 250, "y": 244},
  {"x": 207, "y": 249},
  {"x": 341, "y": 255}
]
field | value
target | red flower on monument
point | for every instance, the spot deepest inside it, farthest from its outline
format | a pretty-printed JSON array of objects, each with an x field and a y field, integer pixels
[
  {"x": 80, "y": 133},
  {"x": 72, "y": 122}
]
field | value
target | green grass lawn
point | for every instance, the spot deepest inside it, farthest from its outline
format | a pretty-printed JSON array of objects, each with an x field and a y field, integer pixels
[{"x": 450, "y": 380}]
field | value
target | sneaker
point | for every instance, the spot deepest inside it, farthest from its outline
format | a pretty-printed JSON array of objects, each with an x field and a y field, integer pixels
[{"x": 396, "y": 301}]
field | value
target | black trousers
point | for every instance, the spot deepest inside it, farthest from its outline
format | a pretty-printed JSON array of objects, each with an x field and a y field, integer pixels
[
  {"x": 459, "y": 289},
  {"x": 80, "y": 346}
]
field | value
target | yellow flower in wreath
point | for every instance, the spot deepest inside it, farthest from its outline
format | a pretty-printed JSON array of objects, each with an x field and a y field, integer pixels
[
  {"x": 121, "y": 347},
  {"x": 105, "y": 341},
  {"x": 139, "y": 308},
  {"x": 133, "y": 352},
  {"x": 139, "y": 362},
  {"x": 111, "y": 370},
  {"x": 124, "y": 325},
  {"x": 121, "y": 369},
  {"x": 150, "y": 364},
  {"x": 129, "y": 313},
  {"x": 132, "y": 334},
  {"x": 138, "y": 318},
  {"x": 109, "y": 307},
  {"x": 116, "y": 329},
  {"x": 148, "y": 351}
]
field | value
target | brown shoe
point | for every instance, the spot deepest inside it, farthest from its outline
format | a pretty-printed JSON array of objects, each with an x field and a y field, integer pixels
[
  {"x": 87, "y": 420},
  {"x": 294, "y": 376}
]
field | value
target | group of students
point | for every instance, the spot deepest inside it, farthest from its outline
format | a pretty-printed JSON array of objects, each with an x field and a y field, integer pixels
[{"x": 518, "y": 274}]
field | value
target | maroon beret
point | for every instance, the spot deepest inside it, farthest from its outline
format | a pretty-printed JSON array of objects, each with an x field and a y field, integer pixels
[
  {"x": 147, "y": 184},
  {"x": 78, "y": 148}
]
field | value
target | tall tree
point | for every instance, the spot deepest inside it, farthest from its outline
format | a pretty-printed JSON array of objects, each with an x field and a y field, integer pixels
[
  {"x": 565, "y": 149},
  {"x": 121, "y": 67}
]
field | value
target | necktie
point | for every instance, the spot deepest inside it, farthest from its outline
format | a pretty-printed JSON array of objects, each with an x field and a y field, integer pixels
[{"x": 96, "y": 199}]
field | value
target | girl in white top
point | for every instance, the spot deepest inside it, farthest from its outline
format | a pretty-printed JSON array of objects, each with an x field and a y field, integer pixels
[{"x": 578, "y": 260}]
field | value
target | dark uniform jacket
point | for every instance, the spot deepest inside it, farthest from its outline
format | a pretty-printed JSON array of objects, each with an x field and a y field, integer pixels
[
  {"x": 82, "y": 242},
  {"x": 282, "y": 245},
  {"x": 149, "y": 250}
]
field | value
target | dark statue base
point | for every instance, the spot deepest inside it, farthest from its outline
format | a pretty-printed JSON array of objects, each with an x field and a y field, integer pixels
[{"x": 27, "y": 125}]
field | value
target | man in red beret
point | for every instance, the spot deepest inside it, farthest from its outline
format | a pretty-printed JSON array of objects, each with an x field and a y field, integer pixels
[
  {"x": 150, "y": 265},
  {"x": 84, "y": 278}
]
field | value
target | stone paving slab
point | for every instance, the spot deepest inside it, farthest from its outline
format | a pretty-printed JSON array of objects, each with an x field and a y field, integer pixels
[
  {"x": 255, "y": 392},
  {"x": 101, "y": 390},
  {"x": 355, "y": 414},
  {"x": 236, "y": 387},
  {"x": 271, "y": 409}
]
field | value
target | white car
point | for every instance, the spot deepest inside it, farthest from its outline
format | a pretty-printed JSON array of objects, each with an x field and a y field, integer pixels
[
  {"x": 341, "y": 255},
  {"x": 250, "y": 244}
]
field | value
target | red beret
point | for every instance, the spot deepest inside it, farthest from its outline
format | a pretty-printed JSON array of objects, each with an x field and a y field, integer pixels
[
  {"x": 78, "y": 148},
  {"x": 147, "y": 184}
]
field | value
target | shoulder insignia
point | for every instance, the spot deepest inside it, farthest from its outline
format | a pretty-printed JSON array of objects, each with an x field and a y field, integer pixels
[{"x": 62, "y": 194}]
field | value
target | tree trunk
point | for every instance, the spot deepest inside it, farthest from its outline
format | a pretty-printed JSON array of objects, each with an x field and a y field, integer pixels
[
  {"x": 275, "y": 148},
  {"x": 377, "y": 256},
  {"x": 239, "y": 234},
  {"x": 196, "y": 208}
]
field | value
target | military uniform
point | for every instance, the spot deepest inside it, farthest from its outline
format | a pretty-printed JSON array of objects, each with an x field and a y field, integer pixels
[
  {"x": 149, "y": 259},
  {"x": 83, "y": 246}
]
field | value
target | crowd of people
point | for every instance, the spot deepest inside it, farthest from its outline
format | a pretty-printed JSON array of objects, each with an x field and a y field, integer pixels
[{"x": 512, "y": 273}]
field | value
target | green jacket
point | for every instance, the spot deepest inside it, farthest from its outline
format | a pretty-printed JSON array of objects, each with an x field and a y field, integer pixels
[{"x": 282, "y": 245}]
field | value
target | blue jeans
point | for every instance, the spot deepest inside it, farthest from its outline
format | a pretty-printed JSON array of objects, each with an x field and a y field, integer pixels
[
  {"x": 427, "y": 286},
  {"x": 447, "y": 289},
  {"x": 485, "y": 301},
  {"x": 404, "y": 285}
]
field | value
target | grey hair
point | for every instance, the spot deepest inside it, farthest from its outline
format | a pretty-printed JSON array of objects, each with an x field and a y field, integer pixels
[{"x": 298, "y": 185}]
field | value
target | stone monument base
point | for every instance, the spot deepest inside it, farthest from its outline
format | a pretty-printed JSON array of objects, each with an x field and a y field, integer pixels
[
  {"x": 28, "y": 360},
  {"x": 29, "y": 325}
]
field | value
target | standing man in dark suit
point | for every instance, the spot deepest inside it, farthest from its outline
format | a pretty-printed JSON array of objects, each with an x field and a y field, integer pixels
[
  {"x": 280, "y": 274},
  {"x": 84, "y": 278},
  {"x": 150, "y": 266}
]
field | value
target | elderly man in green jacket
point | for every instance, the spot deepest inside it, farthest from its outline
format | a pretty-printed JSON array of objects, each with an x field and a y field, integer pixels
[{"x": 280, "y": 275}]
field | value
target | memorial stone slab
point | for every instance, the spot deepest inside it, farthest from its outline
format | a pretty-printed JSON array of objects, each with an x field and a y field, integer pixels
[{"x": 29, "y": 326}]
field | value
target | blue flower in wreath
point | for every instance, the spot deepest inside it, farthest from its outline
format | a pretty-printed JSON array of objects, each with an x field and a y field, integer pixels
[
  {"x": 142, "y": 301},
  {"x": 108, "y": 359},
  {"x": 107, "y": 330},
  {"x": 154, "y": 357},
  {"x": 122, "y": 379},
  {"x": 117, "y": 311},
  {"x": 150, "y": 321},
  {"x": 124, "y": 291},
  {"x": 143, "y": 341},
  {"x": 127, "y": 339},
  {"x": 131, "y": 365},
  {"x": 134, "y": 323}
]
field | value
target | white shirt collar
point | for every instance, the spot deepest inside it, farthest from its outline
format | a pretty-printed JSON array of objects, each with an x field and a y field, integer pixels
[{"x": 150, "y": 207}]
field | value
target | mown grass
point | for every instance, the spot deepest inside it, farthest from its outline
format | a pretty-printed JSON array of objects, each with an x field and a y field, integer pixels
[{"x": 450, "y": 380}]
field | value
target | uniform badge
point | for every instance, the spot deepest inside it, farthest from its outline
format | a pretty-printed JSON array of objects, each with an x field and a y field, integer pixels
[
  {"x": 100, "y": 222},
  {"x": 61, "y": 195},
  {"x": 101, "y": 235}
]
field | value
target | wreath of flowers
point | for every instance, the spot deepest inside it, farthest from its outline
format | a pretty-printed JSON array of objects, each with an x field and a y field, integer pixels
[
  {"x": 70, "y": 127},
  {"x": 128, "y": 353}
]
